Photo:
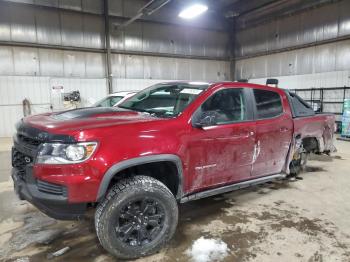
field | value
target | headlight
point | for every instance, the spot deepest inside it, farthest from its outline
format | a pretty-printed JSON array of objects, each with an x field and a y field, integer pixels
[{"x": 56, "y": 153}]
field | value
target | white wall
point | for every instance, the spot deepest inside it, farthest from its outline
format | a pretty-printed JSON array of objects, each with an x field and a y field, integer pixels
[
  {"x": 319, "y": 80},
  {"x": 14, "y": 89},
  {"x": 326, "y": 79}
]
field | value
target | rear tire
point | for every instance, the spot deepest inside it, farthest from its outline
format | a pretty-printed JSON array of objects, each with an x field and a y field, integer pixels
[
  {"x": 137, "y": 218},
  {"x": 298, "y": 165}
]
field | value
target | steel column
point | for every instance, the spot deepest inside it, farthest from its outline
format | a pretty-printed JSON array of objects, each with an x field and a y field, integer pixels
[
  {"x": 232, "y": 34},
  {"x": 108, "y": 49}
]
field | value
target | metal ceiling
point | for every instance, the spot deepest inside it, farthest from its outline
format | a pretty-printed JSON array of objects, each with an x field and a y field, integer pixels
[{"x": 249, "y": 12}]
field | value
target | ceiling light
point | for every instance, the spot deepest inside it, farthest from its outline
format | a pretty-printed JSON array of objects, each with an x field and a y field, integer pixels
[{"x": 193, "y": 11}]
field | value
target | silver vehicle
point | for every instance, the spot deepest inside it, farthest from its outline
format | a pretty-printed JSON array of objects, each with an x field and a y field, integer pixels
[{"x": 114, "y": 99}]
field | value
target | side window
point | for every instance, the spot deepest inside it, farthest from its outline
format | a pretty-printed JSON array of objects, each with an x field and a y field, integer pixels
[
  {"x": 227, "y": 105},
  {"x": 110, "y": 101},
  {"x": 115, "y": 100},
  {"x": 299, "y": 106},
  {"x": 268, "y": 103}
]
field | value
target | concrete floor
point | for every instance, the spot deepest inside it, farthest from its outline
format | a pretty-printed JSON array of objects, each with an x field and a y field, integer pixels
[{"x": 307, "y": 220}]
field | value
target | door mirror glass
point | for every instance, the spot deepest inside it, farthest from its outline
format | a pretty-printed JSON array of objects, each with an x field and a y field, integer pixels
[
  {"x": 224, "y": 107},
  {"x": 208, "y": 118}
]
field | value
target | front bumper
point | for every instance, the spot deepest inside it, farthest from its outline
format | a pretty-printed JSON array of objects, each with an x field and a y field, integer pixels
[{"x": 55, "y": 206}]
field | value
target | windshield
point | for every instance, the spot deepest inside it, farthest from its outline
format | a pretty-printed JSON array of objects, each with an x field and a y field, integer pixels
[
  {"x": 164, "y": 100},
  {"x": 108, "y": 101}
]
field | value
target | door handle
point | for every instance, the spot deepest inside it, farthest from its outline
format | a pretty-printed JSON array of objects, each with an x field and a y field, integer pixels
[
  {"x": 284, "y": 129},
  {"x": 245, "y": 133},
  {"x": 248, "y": 133}
]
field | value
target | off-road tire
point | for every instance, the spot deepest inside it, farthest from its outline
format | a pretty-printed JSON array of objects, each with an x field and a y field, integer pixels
[
  {"x": 297, "y": 166},
  {"x": 120, "y": 195}
]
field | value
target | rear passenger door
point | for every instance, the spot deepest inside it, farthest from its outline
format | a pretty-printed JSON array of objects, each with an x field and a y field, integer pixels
[{"x": 274, "y": 129}]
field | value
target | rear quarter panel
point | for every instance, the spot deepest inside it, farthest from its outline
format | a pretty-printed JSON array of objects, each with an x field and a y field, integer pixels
[{"x": 320, "y": 126}]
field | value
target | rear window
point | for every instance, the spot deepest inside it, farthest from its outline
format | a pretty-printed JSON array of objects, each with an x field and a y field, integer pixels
[
  {"x": 299, "y": 107},
  {"x": 268, "y": 103}
]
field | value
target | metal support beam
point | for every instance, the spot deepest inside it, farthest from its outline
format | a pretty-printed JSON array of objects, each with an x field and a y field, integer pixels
[
  {"x": 55, "y": 47},
  {"x": 297, "y": 47},
  {"x": 277, "y": 10},
  {"x": 232, "y": 35},
  {"x": 113, "y": 51},
  {"x": 150, "y": 8},
  {"x": 168, "y": 55},
  {"x": 108, "y": 49}
]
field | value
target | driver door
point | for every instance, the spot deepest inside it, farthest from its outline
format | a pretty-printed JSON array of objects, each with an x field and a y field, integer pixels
[{"x": 221, "y": 152}]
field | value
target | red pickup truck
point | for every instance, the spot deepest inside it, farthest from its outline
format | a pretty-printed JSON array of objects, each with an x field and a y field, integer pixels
[{"x": 169, "y": 144}]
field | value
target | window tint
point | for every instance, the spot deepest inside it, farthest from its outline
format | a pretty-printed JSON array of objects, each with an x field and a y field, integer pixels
[
  {"x": 268, "y": 103},
  {"x": 299, "y": 106},
  {"x": 228, "y": 106}
]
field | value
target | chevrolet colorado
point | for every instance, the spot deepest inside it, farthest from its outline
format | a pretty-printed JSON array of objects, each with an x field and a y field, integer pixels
[{"x": 169, "y": 144}]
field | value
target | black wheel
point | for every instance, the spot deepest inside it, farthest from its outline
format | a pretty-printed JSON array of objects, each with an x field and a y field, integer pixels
[{"x": 138, "y": 216}]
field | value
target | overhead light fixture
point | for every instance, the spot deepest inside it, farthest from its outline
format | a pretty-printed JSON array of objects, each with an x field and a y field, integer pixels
[{"x": 193, "y": 11}]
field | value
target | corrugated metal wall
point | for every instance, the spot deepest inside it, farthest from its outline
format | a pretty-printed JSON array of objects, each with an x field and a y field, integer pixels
[
  {"x": 125, "y": 8},
  {"x": 61, "y": 42},
  {"x": 31, "y": 24},
  {"x": 316, "y": 25},
  {"x": 27, "y": 61},
  {"x": 312, "y": 49},
  {"x": 14, "y": 89},
  {"x": 317, "y": 80},
  {"x": 312, "y": 60},
  {"x": 148, "y": 67}
]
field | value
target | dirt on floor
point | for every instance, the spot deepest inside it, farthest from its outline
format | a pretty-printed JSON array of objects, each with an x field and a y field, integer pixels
[{"x": 305, "y": 220}]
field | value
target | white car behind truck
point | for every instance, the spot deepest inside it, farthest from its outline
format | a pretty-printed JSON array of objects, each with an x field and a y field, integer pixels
[{"x": 114, "y": 99}]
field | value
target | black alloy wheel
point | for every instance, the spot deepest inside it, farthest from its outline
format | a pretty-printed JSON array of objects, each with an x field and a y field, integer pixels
[{"x": 140, "y": 222}]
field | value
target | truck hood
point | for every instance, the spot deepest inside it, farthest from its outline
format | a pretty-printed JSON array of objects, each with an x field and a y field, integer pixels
[{"x": 87, "y": 118}]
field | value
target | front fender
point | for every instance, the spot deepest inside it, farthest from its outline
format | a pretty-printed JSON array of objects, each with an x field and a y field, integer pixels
[{"x": 116, "y": 168}]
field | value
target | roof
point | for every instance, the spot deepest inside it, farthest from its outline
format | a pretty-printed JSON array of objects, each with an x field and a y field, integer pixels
[{"x": 122, "y": 93}]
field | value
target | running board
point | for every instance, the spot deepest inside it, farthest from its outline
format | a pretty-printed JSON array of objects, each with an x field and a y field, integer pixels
[{"x": 233, "y": 187}]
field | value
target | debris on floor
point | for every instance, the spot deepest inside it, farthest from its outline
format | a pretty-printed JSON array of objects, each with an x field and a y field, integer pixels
[
  {"x": 58, "y": 252},
  {"x": 22, "y": 259},
  {"x": 205, "y": 250}
]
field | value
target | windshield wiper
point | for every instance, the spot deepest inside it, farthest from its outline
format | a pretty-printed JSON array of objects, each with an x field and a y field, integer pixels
[
  {"x": 133, "y": 109},
  {"x": 156, "y": 113}
]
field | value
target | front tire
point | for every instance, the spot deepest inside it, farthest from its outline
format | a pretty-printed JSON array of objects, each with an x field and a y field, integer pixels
[{"x": 138, "y": 216}]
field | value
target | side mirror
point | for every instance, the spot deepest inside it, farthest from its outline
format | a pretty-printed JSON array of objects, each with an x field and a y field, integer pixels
[{"x": 204, "y": 119}]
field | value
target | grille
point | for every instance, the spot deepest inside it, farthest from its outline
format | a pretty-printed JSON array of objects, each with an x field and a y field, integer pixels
[
  {"x": 29, "y": 141},
  {"x": 20, "y": 161},
  {"x": 53, "y": 189}
]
